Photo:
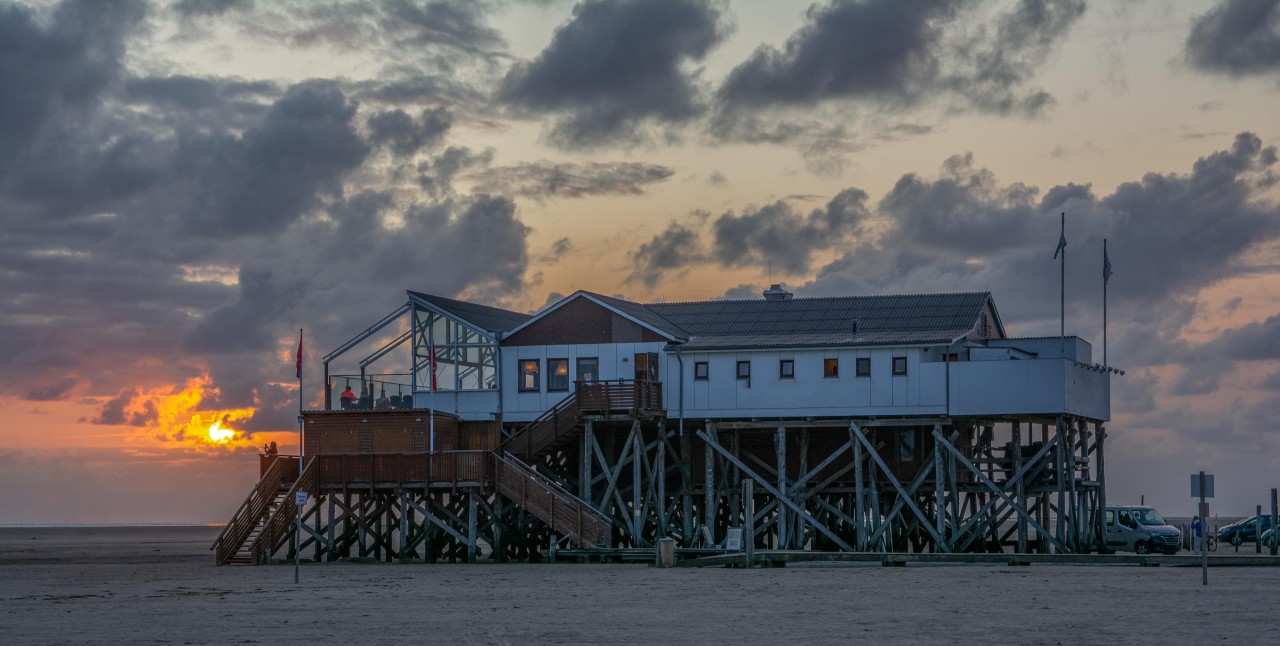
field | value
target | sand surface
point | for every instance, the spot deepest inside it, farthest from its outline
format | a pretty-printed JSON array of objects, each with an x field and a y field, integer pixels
[{"x": 159, "y": 585}]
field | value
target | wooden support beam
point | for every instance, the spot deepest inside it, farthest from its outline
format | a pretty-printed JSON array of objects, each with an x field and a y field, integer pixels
[
  {"x": 903, "y": 495},
  {"x": 986, "y": 481},
  {"x": 715, "y": 446}
]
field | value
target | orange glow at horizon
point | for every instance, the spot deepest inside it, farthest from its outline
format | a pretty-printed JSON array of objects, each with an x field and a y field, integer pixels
[{"x": 179, "y": 419}]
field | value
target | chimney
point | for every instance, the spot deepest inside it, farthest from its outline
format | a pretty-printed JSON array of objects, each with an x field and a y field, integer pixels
[{"x": 776, "y": 293}]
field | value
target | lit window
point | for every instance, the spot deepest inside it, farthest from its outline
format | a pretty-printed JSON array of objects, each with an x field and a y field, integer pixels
[
  {"x": 899, "y": 365},
  {"x": 529, "y": 375},
  {"x": 862, "y": 367},
  {"x": 744, "y": 370},
  {"x": 557, "y": 375},
  {"x": 786, "y": 369},
  {"x": 830, "y": 367},
  {"x": 701, "y": 371},
  {"x": 588, "y": 369}
]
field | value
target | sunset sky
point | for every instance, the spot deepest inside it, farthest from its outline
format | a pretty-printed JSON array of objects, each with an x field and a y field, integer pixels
[{"x": 184, "y": 185}]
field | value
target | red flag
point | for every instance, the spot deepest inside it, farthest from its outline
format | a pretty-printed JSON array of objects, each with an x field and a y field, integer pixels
[
  {"x": 434, "y": 386},
  {"x": 299, "y": 354}
]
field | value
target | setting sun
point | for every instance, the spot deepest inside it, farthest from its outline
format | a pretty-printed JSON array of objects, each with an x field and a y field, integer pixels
[{"x": 219, "y": 434}]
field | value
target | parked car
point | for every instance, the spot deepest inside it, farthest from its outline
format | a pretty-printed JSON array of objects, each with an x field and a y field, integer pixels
[
  {"x": 1270, "y": 537},
  {"x": 1243, "y": 531},
  {"x": 1139, "y": 529}
]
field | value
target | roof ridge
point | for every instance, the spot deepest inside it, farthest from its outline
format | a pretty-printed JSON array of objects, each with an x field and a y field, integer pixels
[{"x": 811, "y": 298}]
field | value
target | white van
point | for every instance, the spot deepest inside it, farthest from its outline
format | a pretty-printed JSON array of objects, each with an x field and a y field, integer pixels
[{"x": 1139, "y": 529}]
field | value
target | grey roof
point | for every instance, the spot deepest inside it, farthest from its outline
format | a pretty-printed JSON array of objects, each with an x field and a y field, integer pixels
[
  {"x": 489, "y": 319},
  {"x": 643, "y": 313},
  {"x": 917, "y": 318}
]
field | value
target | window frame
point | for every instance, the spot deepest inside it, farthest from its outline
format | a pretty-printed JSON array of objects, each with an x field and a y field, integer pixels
[
  {"x": 551, "y": 375},
  {"x": 701, "y": 370},
  {"x": 595, "y": 373},
  {"x": 524, "y": 372},
  {"x": 899, "y": 361},
  {"x": 831, "y": 367},
  {"x": 859, "y": 363},
  {"x": 786, "y": 369},
  {"x": 738, "y": 371}
]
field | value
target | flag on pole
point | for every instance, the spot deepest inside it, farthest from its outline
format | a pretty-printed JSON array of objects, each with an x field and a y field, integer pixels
[
  {"x": 1106, "y": 265},
  {"x": 1062, "y": 241},
  {"x": 299, "y": 366},
  {"x": 432, "y": 350}
]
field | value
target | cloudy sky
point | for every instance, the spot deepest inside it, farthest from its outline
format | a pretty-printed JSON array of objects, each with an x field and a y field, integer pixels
[{"x": 184, "y": 185}]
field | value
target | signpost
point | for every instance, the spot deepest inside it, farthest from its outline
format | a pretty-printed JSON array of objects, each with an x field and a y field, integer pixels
[
  {"x": 299, "y": 500},
  {"x": 1202, "y": 487}
]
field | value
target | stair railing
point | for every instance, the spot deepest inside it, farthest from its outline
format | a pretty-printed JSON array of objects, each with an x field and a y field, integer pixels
[
  {"x": 241, "y": 525},
  {"x": 283, "y": 519},
  {"x": 550, "y": 502}
]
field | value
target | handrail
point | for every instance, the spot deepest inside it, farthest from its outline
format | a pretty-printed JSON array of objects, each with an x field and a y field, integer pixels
[
  {"x": 561, "y": 510},
  {"x": 565, "y": 407},
  {"x": 283, "y": 517},
  {"x": 237, "y": 530}
]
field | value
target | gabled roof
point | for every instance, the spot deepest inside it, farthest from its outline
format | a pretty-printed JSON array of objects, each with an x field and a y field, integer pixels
[
  {"x": 635, "y": 312},
  {"x": 907, "y": 319},
  {"x": 481, "y": 317},
  {"x": 802, "y": 322}
]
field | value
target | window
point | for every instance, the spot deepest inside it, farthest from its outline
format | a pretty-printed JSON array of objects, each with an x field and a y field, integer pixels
[
  {"x": 862, "y": 367},
  {"x": 744, "y": 370},
  {"x": 907, "y": 446},
  {"x": 701, "y": 371},
  {"x": 588, "y": 369},
  {"x": 647, "y": 366},
  {"x": 899, "y": 365},
  {"x": 952, "y": 358},
  {"x": 830, "y": 367},
  {"x": 557, "y": 375},
  {"x": 529, "y": 375},
  {"x": 787, "y": 369}
]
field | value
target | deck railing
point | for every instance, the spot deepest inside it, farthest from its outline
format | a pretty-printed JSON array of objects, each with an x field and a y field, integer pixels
[
  {"x": 552, "y": 504},
  {"x": 632, "y": 396},
  {"x": 452, "y": 468}
]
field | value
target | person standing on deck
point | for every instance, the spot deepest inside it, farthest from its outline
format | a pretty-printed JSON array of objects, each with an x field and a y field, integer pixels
[{"x": 348, "y": 398}]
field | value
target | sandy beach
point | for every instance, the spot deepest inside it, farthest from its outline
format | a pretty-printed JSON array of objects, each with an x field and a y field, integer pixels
[{"x": 159, "y": 585}]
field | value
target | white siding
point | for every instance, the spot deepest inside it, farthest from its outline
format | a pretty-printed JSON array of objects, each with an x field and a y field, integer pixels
[{"x": 616, "y": 362}]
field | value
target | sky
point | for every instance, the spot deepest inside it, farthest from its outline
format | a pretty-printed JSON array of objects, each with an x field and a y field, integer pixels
[{"x": 185, "y": 185}]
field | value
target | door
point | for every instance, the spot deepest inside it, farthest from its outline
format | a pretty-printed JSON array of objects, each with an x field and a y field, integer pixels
[{"x": 646, "y": 366}]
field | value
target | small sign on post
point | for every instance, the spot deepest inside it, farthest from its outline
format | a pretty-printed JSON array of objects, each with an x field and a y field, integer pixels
[
  {"x": 1208, "y": 485},
  {"x": 1202, "y": 488},
  {"x": 733, "y": 540},
  {"x": 300, "y": 498}
]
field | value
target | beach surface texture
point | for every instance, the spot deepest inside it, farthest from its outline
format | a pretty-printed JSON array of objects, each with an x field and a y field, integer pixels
[{"x": 159, "y": 585}]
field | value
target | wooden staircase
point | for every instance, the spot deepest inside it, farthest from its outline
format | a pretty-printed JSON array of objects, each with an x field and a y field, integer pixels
[
  {"x": 632, "y": 398},
  {"x": 271, "y": 498},
  {"x": 564, "y": 512},
  {"x": 556, "y": 424}
]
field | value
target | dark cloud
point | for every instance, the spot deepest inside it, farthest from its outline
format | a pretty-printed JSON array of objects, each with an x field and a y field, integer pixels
[
  {"x": 404, "y": 135},
  {"x": 183, "y": 98},
  {"x": 894, "y": 53},
  {"x": 202, "y": 8},
  {"x": 777, "y": 234},
  {"x": 59, "y": 66},
  {"x": 1058, "y": 196},
  {"x": 544, "y": 179},
  {"x": 1237, "y": 38},
  {"x": 676, "y": 248},
  {"x": 274, "y": 173},
  {"x": 717, "y": 178},
  {"x": 436, "y": 174},
  {"x": 880, "y": 49},
  {"x": 615, "y": 67}
]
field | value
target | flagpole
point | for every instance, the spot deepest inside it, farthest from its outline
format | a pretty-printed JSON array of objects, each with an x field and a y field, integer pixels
[
  {"x": 297, "y": 533},
  {"x": 1062, "y": 291},
  {"x": 1106, "y": 262}
]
